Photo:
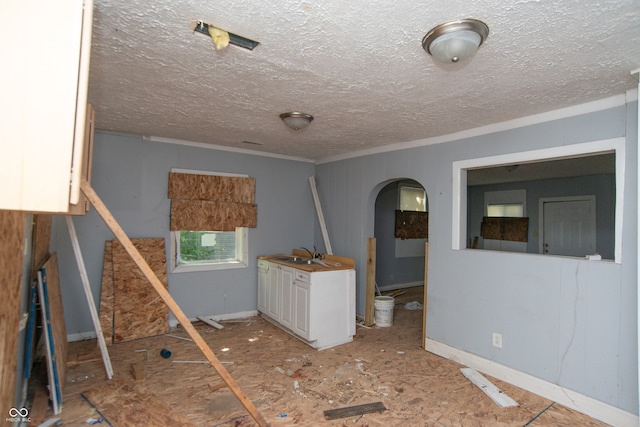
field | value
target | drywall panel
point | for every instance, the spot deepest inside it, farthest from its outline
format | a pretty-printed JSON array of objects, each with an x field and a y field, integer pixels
[{"x": 567, "y": 320}]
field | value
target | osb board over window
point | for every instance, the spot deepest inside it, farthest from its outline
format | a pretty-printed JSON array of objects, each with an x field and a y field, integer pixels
[
  {"x": 412, "y": 225},
  {"x": 211, "y": 187},
  {"x": 505, "y": 228},
  {"x": 138, "y": 310},
  {"x": 56, "y": 313},
  {"x": 214, "y": 216},
  {"x": 41, "y": 241},
  {"x": 12, "y": 227},
  {"x": 107, "y": 294}
]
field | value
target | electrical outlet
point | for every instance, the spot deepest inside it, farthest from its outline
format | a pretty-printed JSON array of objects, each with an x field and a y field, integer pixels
[{"x": 497, "y": 340}]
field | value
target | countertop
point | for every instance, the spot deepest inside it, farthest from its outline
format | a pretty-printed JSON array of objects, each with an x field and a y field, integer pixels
[{"x": 332, "y": 262}]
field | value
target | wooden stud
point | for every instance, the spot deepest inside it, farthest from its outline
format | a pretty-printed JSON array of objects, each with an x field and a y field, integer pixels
[
  {"x": 169, "y": 301},
  {"x": 424, "y": 299},
  {"x": 323, "y": 225},
  {"x": 498, "y": 396},
  {"x": 371, "y": 282},
  {"x": 89, "y": 295},
  {"x": 350, "y": 411}
]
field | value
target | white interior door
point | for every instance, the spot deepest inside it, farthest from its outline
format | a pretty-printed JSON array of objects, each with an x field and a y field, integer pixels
[{"x": 569, "y": 226}]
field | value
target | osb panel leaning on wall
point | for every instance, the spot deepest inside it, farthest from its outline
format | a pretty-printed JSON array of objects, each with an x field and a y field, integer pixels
[
  {"x": 107, "y": 294},
  {"x": 138, "y": 310},
  {"x": 12, "y": 227},
  {"x": 41, "y": 240}
]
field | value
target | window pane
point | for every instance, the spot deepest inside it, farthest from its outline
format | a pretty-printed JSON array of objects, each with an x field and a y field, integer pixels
[
  {"x": 206, "y": 246},
  {"x": 507, "y": 209},
  {"x": 412, "y": 199}
]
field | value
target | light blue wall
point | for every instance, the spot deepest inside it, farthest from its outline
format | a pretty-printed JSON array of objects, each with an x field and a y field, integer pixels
[
  {"x": 130, "y": 175},
  {"x": 568, "y": 321}
]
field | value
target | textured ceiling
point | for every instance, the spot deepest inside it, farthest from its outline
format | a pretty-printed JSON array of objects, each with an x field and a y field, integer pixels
[{"x": 357, "y": 67}]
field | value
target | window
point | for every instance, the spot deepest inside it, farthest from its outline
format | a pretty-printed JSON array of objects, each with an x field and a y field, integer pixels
[
  {"x": 567, "y": 167},
  {"x": 412, "y": 199},
  {"x": 506, "y": 209},
  {"x": 210, "y": 216},
  {"x": 208, "y": 250}
]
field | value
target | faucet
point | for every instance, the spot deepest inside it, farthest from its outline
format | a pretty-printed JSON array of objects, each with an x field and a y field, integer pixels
[{"x": 315, "y": 254}]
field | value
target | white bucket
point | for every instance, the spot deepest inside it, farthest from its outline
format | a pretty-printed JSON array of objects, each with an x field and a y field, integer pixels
[{"x": 383, "y": 310}]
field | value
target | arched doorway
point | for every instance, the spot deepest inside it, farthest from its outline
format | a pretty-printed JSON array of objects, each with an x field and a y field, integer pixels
[{"x": 401, "y": 233}]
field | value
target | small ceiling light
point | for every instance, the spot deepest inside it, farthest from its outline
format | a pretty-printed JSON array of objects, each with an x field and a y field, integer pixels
[
  {"x": 455, "y": 41},
  {"x": 295, "y": 120}
]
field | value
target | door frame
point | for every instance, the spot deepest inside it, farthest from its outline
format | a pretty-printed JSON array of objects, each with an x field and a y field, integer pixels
[{"x": 543, "y": 200}]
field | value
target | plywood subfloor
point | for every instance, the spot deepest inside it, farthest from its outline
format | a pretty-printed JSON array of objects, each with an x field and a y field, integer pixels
[{"x": 282, "y": 375}]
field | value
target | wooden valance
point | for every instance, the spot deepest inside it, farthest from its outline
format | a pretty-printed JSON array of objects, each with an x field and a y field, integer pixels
[
  {"x": 211, "y": 202},
  {"x": 505, "y": 228},
  {"x": 412, "y": 225}
]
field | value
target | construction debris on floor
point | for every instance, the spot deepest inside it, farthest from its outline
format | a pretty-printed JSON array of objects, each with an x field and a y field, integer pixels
[{"x": 383, "y": 377}]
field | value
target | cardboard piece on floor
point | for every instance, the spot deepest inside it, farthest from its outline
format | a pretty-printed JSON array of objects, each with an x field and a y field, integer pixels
[
  {"x": 497, "y": 395},
  {"x": 350, "y": 411}
]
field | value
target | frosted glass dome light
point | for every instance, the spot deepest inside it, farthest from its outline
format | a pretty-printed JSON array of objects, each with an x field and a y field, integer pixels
[{"x": 455, "y": 41}]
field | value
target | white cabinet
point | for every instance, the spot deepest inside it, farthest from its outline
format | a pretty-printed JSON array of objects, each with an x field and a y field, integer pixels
[
  {"x": 263, "y": 277},
  {"x": 317, "y": 307},
  {"x": 43, "y": 106}
]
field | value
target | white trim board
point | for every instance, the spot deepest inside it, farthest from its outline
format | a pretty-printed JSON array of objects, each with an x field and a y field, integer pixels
[
  {"x": 229, "y": 316},
  {"x": 579, "y": 402},
  {"x": 459, "y": 199},
  {"x": 223, "y": 148}
]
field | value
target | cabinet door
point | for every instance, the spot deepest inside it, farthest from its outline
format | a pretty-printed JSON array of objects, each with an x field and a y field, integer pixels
[
  {"x": 273, "y": 300},
  {"x": 43, "y": 107},
  {"x": 263, "y": 289},
  {"x": 287, "y": 301},
  {"x": 302, "y": 296}
]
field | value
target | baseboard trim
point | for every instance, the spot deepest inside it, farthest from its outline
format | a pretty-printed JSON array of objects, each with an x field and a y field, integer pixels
[
  {"x": 587, "y": 405},
  {"x": 81, "y": 336},
  {"x": 400, "y": 286}
]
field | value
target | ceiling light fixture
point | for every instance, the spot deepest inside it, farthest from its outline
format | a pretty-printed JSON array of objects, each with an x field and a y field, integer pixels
[
  {"x": 296, "y": 120},
  {"x": 455, "y": 41}
]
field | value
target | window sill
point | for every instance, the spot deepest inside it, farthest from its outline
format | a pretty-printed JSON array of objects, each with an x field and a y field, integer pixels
[{"x": 208, "y": 267}]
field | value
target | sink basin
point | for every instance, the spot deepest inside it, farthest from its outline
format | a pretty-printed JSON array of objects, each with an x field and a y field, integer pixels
[{"x": 293, "y": 259}]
